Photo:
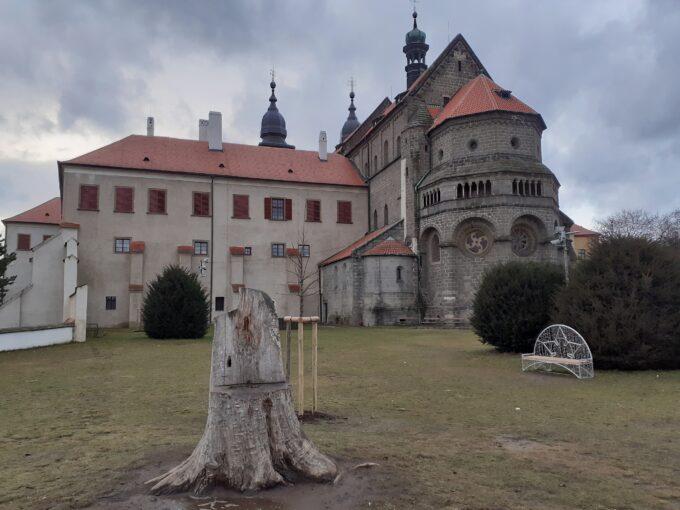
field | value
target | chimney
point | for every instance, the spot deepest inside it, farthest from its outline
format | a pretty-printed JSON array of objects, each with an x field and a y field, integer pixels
[
  {"x": 202, "y": 130},
  {"x": 323, "y": 146},
  {"x": 215, "y": 131},
  {"x": 149, "y": 126}
]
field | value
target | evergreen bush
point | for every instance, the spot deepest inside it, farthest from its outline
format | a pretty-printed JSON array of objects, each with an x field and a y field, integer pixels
[
  {"x": 625, "y": 301},
  {"x": 176, "y": 305},
  {"x": 513, "y": 304}
]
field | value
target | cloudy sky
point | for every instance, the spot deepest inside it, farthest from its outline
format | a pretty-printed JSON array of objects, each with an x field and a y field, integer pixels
[{"x": 76, "y": 75}]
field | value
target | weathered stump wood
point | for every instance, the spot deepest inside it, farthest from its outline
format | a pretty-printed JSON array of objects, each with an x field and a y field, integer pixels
[{"x": 252, "y": 437}]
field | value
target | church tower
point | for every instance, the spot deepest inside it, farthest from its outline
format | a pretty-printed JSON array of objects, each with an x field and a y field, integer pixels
[
  {"x": 352, "y": 122},
  {"x": 415, "y": 51},
  {"x": 273, "y": 131}
]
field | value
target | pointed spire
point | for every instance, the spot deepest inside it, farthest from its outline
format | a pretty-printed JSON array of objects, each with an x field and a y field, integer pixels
[
  {"x": 415, "y": 51},
  {"x": 352, "y": 122},
  {"x": 273, "y": 130}
]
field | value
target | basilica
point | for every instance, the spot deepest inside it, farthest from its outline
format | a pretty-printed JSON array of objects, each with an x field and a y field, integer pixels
[{"x": 396, "y": 226}]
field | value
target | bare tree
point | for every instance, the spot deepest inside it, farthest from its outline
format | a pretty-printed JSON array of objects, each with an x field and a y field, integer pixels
[
  {"x": 306, "y": 278},
  {"x": 640, "y": 223}
]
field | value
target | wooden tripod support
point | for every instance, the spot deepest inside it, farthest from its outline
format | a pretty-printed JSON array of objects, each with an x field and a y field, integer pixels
[{"x": 301, "y": 321}]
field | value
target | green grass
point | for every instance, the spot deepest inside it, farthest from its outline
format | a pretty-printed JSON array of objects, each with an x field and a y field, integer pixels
[{"x": 452, "y": 423}]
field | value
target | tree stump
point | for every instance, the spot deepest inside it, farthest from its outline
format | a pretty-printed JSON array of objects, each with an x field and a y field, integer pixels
[{"x": 252, "y": 437}]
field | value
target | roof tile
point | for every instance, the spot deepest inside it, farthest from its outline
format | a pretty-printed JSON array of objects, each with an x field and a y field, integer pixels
[
  {"x": 48, "y": 213},
  {"x": 347, "y": 251},
  {"x": 390, "y": 247}
]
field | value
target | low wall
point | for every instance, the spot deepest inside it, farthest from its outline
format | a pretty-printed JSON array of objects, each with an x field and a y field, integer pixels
[{"x": 27, "y": 338}]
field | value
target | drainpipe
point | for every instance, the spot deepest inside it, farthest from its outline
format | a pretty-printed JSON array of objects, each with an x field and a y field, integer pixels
[
  {"x": 212, "y": 243},
  {"x": 318, "y": 280}
]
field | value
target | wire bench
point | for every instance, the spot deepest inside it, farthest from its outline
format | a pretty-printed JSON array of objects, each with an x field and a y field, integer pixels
[{"x": 560, "y": 346}]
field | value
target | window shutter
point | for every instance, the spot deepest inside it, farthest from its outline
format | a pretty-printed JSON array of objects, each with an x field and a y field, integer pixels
[
  {"x": 124, "y": 200},
  {"x": 267, "y": 208},
  {"x": 23, "y": 242},
  {"x": 201, "y": 203},
  {"x": 157, "y": 203},
  {"x": 89, "y": 197},
  {"x": 344, "y": 212},
  {"x": 240, "y": 206},
  {"x": 313, "y": 210},
  {"x": 289, "y": 209}
]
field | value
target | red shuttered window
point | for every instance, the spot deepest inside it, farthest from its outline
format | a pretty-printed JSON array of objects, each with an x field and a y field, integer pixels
[
  {"x": 278, "y": 209},
  {"x": 201, "y": 203},
  {"x": 241, "y": 209},
  {"x": 344, "y": 211},
  {"x": 124, "y": 200},
  {"x": 23, "y": 242},
  {"x": 89, "y": 198},
  {"x": 313, "y": 210},
  {"x": 157, "y": 201}
]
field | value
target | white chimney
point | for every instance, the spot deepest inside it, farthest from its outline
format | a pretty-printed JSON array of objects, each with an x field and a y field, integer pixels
[
  {"x": 203, "y": 130},
  {"x": 149, "y": 126},
  {"x": 323, "y": 146},
  {"x": 215, "y": 131}
]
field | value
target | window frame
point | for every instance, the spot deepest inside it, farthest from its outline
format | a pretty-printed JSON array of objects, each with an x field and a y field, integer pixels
[
  {"x": 247, "y": 251},
  {"x": 274, "y": 208},
  {"x": 194, "y": 194},
  {"x": 165, "y": 201},
  {"x": 274, "y": 254},
  {"x": 219, "y": 303},
  {"x": 304, "y": 250},
  {"x": 308, "y": 203},
  {"x": 199, "y": 242},
  {"x": 115, "y": 244},
  {"x": 340, "y": 218},
  {"x": 110, "y": 303}
]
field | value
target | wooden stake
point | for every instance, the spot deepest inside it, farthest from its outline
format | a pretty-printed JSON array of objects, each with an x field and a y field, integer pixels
[
  {"x": 315, "y": 361},
  {"x": 301, "y": 369},
  {"x": 288, "y": 339}
]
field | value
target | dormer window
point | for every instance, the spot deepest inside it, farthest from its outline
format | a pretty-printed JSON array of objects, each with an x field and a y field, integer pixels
[{"x": 505, "y": 94}]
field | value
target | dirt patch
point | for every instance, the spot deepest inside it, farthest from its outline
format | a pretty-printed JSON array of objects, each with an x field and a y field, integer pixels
[
  {"x": 354, "y": 488},
  {"x": 523, "y": 445},
  {"x": 319, "y": 417}
]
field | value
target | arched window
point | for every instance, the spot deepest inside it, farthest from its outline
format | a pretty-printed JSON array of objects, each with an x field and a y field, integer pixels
[
  {"x": 375, "y": 163},
  {"x": 466, "y": 190},
  {"x": 375, "y": 219},
  {"x": 473, "y": 189},
  {"x": 386, "y": 216},
  {"x": 538, "y": 188},
  {"x": 367, "y": 169},
  {"x": 488, "y": 188},
  {"x": 459, "y": 191},
  {"x": 514, "y": 187},
  {"x": 521, "y": 187},
  {"x": 399, "y": 273},
  {"x": 481, "y": 187},
  {"x": 386, "y": 153},
  {"x": 399, "y": 149},
  {"x": 434, "y": 248},
  {"x": 439, "y": 196}
]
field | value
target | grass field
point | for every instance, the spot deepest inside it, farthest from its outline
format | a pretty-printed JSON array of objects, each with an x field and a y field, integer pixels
[{"x": 452, "y": 423}]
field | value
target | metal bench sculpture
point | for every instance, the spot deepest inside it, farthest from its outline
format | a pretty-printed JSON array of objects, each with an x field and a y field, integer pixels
[{"x": 560, "y": 346}]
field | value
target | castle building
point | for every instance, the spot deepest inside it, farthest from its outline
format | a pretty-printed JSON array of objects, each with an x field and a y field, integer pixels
[{"x": 397, "y": 225}]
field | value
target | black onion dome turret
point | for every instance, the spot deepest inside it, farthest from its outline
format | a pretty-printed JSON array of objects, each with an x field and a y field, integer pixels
[
  {"x": 352, "y": 122},
  {"x": 273, "y": 130},
  {"x": 415, "y": 35}
]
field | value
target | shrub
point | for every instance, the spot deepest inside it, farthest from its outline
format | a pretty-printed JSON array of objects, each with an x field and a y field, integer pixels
[
  {"x": 625, "y": 301},
  {"x": 176, "y": 306},
  {"x": 513, "y": 304}
]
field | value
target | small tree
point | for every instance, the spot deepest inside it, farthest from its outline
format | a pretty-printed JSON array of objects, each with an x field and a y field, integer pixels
[
  {"x": 625, "y": 301},
  {"x": 637, "y": 223},
  {"x": 5, "y": 260},
  {"x": 176, "y": 305},
  {"x": 513, "y": 304},
  {"x": 306, "y": 279}
]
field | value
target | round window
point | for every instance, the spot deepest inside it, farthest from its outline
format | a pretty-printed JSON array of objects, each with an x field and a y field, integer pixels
[
  {"x": 472, "y": 144},
  {"x": 523, "y": 240},
  {"x": 514, "y": 141},
  {"x": 477, "y": 241}
]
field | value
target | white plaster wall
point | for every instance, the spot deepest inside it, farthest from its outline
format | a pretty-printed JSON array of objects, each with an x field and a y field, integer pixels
[
  {"x": 21, "y": 267},
  {"x": 14, "y": 340},
  {"x": 107, "y": 273},
  {"x": 43, "y": 302}
]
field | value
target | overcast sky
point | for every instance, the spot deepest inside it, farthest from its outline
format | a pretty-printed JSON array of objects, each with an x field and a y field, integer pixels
[{"x": 78, "y": 75}]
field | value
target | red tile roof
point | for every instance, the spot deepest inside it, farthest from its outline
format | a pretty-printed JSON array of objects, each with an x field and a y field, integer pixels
[
  {"x": 390, "y": 247},
  {"x": 163, "y": 154},
  {"x": 47, "y": 213},
  {"x": 480, "y": 95},
  {"x": 580, "y": 231},
  {"x": 347, "y": 251},
  {"x": 434, "y": 111}
]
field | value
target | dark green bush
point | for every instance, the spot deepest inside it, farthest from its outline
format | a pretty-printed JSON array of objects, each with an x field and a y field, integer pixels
[
  {"x": 513, "y": 304},
  {"x": 176, "y": 306},
  {"x": 625, "y": 301}
]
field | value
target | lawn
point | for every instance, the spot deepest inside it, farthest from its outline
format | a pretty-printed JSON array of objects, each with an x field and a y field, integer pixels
[{"x": 451, "y": 423}]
